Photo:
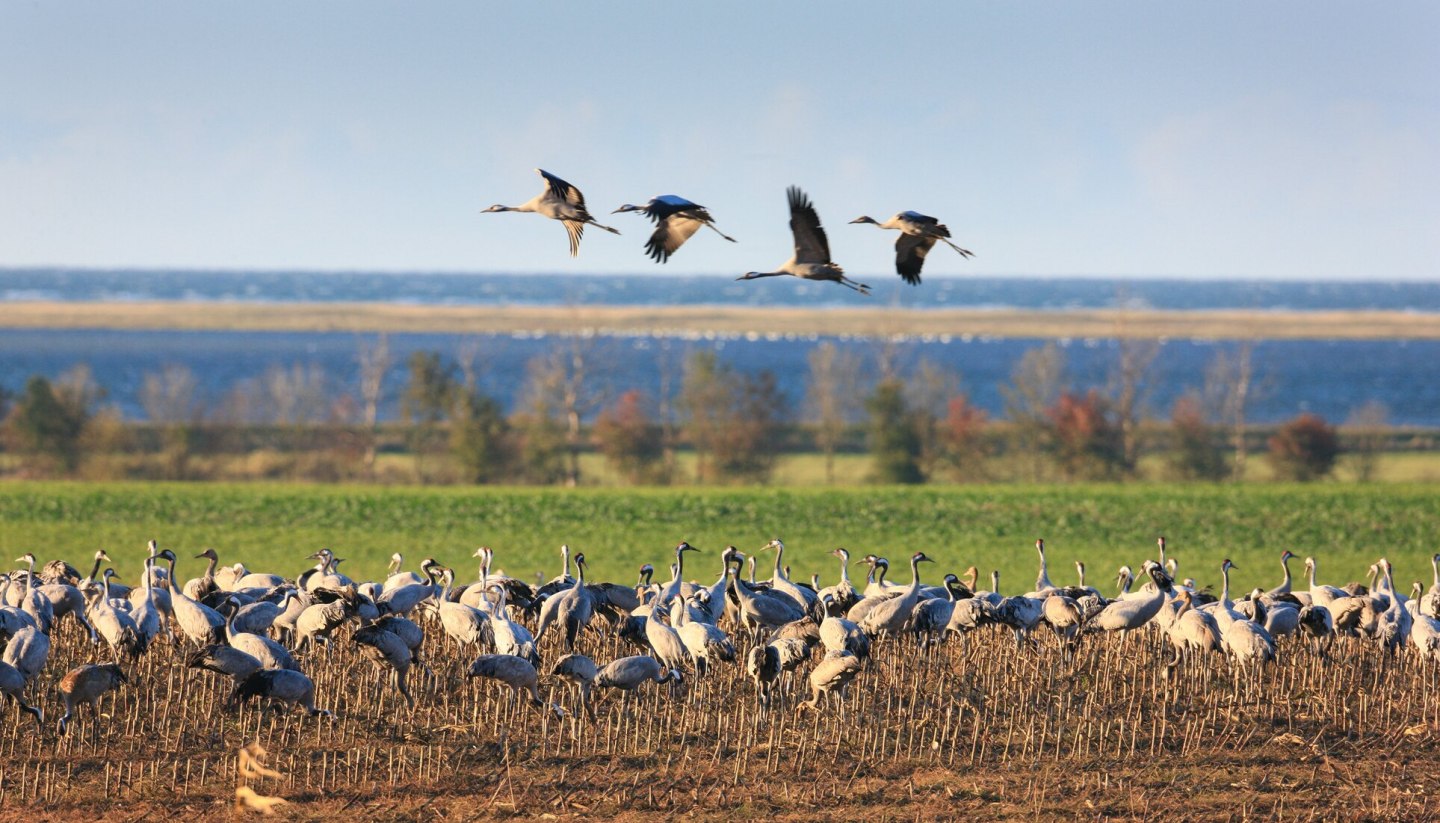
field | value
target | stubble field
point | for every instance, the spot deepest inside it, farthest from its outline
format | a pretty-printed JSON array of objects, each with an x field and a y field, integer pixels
[{"x": 972, "y": 728}]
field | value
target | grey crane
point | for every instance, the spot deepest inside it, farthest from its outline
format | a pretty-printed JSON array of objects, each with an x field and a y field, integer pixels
[
  {"x": 116, "y": 626},
  {"x": 780, "y": 582},
  {"x": 1286, "y": 584},
  {"x": 200, "y": 623},
  {"x": 629, "y": 673},
  {"x": 891, "y": 615},
  {"x": 757, "y": 610},
  {"x": 676, "y": 220},
  {"x": 702, "y": 640},
  {"x": 226, "y": 660},
  {"x": 843, "y": 593},
  {"x": 271, "y": 654},
  {"x": 12, "y": 685},
  {"x": 516, "y": 672},
  {"x": 463, "y": 624},
  {"x": 918, "y": 235},
  {"x": 87, "y": 684},
  {"x": 27, "y": 651},
  {"x": 387, "y": 650},
  {"x": 580, "y": 671},
  {"x": 282, "y": 685},
  {"x": 811, "y": 260},
  {"x": 762, "y": 664},
  {"x": 574, "y": 609},
  {"x": 33, "y": 602},
  {"x": 396, "y": 577},
  {"x": 840, "y": 634},
  {"x": 664, "y": 640},
  {"x": 144, "y": 609},
  {"x": 559, "y": 201}
]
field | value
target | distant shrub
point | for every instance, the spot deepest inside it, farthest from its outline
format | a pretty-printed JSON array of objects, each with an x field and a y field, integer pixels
[
  {"x": 1194, "y": 452},
  {"x": 1088, "y": 442},
  {"x": 632, "y": 443},
  {"x": 962, "y": 439},
  {"x": 1304, "y": 449},
  {"x": 894, "y": 440}
]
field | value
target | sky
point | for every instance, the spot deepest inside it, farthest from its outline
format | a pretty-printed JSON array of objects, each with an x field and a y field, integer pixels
[{"x": 1277, "y": 140}]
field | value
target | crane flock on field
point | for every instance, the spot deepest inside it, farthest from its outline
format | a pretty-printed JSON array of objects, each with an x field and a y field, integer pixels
[
  {"x": 553, "y": 645},
  {"x": 677, "y": 219}
]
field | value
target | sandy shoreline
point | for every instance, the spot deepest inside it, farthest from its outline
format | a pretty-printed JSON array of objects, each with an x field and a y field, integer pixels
[{"x": 377, "y": 317}]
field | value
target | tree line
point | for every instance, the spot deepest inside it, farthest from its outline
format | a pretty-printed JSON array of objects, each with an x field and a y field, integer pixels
[{"x": 914, "y": 420}]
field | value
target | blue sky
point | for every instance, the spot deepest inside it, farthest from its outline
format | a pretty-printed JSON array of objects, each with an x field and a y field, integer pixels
[{"x": 1276, "y": 140}]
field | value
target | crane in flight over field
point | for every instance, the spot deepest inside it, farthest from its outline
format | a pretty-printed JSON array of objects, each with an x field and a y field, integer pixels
[
  {"x": 676, "y": 220},
  {"x": 918, "y": 234},
  {"x": 812, "y": 250},
  {"x": 559, "y": 201}
]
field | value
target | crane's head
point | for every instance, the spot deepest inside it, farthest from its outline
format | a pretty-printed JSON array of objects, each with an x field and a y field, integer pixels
[
  {"x": 842, "y": 554},
  {"x": 628, "y": 207},
  {"x": 166, "y": 555},
  {"x": 1286, "y": 557},
  {"x": 920, "y": 557},
  {"x": 685, "y": 547},
  {"x": 864, "y": 219},
  {"x": 495, "y": 208},
  {"x": 208, "y": 553}
]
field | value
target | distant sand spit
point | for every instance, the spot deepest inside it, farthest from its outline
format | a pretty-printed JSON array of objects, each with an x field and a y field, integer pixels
[{"x": 745, "y": 320}]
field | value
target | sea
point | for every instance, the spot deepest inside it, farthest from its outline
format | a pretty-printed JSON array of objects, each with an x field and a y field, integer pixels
[{"x": 1328, "y": 377}]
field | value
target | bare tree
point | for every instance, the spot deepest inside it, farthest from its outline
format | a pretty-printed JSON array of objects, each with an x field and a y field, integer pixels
[
  {"x": 375, "y": 361},
  {"x": 1130, "y": 387},
  {"x": 1229, "y": 384},
  {"x": 169, "y": 395},
  {"x": 1036, "y": 384},
  {"x": 297, "y": 395},
  {"x": 1366, "y": 430},
  {"x": 560, "y": 382},
  {"x": 832, "y": 398},
  {"x": 927, "y": 394},
  {"x": 169, "y": 399}
]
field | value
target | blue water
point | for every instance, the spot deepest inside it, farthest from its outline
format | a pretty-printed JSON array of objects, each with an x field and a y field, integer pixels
[
  {"x": 670, "y": 289},
  {"x": 1328, "y": 377}
]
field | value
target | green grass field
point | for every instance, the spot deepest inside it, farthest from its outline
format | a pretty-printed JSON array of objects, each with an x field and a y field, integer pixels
[{"x": 275, "y": 526}]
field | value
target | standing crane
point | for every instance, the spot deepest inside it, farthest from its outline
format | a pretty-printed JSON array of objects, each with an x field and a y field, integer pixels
[
  {"x": 676, "y": 220},
  {"x": 559, "y": 201},
  {"x": 891, "y": 615},
  {"x": 918, "y": 234},
  {"x": 87, "y": 684},
  {"x": 811, "y": 260}
]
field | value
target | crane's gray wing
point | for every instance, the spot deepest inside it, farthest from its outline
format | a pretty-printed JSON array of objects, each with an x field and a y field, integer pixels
[
  {"x": 811, "y": 245},
  {"x": 923, "y": 219},
  {"x": 671, "y": 234},
  {"x": 563, "y": 190},
  {"x": 910, "y": 251},
  {"x": 576, "y": 230}
]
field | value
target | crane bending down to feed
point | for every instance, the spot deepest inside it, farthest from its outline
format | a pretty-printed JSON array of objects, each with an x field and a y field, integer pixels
[
  {"x": 676, "y": 220},
  {"x": 918, "y": 235},
  {"x": 559, "y": 201},
  {"x": 811, "y": 260}
]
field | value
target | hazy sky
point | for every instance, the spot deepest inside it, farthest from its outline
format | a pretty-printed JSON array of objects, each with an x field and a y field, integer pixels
[{"x": 1270, "y": 140}]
